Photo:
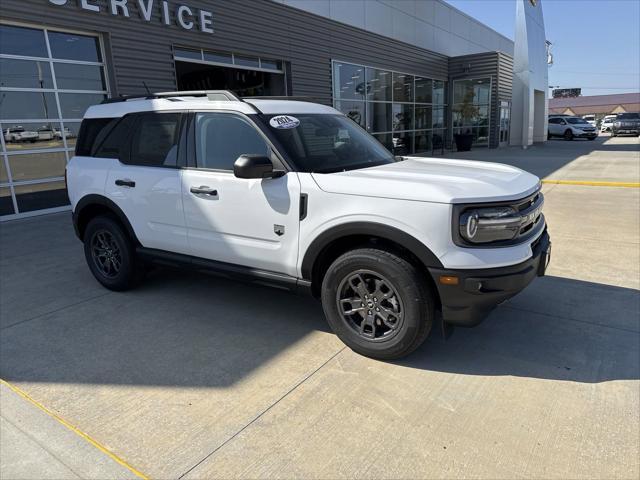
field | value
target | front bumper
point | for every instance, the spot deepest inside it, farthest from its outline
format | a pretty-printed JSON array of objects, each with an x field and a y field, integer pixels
[
  {"x": 586, "y": 135},
  {"x": 479, "y": 291}
]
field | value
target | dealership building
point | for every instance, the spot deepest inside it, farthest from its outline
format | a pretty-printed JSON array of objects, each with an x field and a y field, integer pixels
[{"x": 401, "y": 69}]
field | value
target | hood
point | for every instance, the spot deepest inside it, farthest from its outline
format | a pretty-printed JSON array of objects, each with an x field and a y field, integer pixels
[{"x": 433, "y": 180}]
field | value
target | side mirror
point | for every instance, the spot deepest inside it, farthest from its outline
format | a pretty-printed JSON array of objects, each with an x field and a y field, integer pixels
[{"x": 255, "y": 166}]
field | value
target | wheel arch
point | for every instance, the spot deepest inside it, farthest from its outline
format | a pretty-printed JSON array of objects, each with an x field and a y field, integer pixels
[
  {"x": 92, "y": 205},
  {"x": 335, "y": 241}
]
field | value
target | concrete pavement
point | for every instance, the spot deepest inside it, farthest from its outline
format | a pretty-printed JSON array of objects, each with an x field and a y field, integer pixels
[{"x": 197, "y": 377}]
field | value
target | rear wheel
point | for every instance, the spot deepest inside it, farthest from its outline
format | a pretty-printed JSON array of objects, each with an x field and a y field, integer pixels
[
  {"x": 377, "y": 303},
  {"x": 110, "y": 254},
  {"x": 548, "y": 135},
  {"x": 568, "y": 135}
]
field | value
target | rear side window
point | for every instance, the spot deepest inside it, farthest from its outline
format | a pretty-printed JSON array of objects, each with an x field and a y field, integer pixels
[
  {"x": 89, "y": 131},
  {"x": 116, "y": 141},
  {"x": 155, "y": 140}
]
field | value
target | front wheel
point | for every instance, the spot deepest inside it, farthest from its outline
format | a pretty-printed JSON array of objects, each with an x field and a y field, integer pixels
[
  {"x": 568, "y": 135},
  {"x": 110, "y": 254},
  {"x": 377, "y": 303}
]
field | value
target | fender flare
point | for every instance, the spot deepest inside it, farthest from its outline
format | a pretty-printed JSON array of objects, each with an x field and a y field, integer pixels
[
  {"x": 95, "y": 199},
  {"x": 407, "y": 241}
]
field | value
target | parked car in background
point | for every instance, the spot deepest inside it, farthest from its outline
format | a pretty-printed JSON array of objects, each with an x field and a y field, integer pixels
[
  {"x": 570, "y": 128},
  {"x": 626, "y": 124},
  {"x": 19, "y": 134},
  {"x": 591, "y": 119},
  {"x": 46, "y": 133},
  {"x": 607, "y": 123},
  {"x": 67, "y": 133}
]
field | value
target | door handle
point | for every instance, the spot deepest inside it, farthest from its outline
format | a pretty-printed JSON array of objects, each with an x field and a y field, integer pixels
[
  {"x": 125, "y": 183},
  {"x": 204, "y": 190}
]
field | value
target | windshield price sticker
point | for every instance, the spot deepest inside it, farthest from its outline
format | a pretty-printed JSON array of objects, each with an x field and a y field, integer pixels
[{"x": 284, "y": 122}]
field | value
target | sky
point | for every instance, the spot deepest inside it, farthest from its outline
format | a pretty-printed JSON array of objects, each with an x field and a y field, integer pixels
[{"x": 596, "y": 43}]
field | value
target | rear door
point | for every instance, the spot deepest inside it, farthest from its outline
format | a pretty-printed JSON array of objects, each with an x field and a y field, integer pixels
[
  {"x": 144, "y": 179},
  {"x": 247, "y": 222}
]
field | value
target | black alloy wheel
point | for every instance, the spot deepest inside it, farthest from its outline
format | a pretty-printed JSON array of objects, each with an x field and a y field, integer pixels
[
  {"x": 111, "y": 254},
  {"x": 378, "y": 303},
  {"x": 105, "y": 253},
  {"x": 370, "y": 305}
]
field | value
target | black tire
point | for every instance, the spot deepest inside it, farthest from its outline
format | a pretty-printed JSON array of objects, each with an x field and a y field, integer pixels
[
  {"x": 548, "y": 135},
  {"x": 405, "y": 299},
  {"x": 110, "y": 254},
  {"x": 568, "y": 135},
  {"x": 592, "y": 138}
]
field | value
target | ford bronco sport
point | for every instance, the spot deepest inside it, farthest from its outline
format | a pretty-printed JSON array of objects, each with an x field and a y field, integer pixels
[{"x": 296, "y": 195}]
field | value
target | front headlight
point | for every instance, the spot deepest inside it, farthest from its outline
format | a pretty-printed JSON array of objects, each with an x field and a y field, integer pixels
[
  {"x": 499, "y": 224},
  {"x": 482, "y": 225}
]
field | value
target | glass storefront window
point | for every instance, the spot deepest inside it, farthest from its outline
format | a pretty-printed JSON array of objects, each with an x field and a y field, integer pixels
[
  {"x": 25, "y": 74},
  {"x": 31, "y": 136},
  {"x": 353, "y": 110},
  {"x": 424, "y": 90},
  {"x": 34, "y": 166},
  {"x": 348, "y": 82},
  {"x": 72, "y": 76},
  {"x": 247, "y": 61},
  {"x": 73, "y": 105},
  {"x": 40, "y": 122},
  {"x": 28, "y": 42},
  {"x": 188, "y": 53},
  {"x": 402, "y": 87},
  {"x": 423, "y": 117},
  {"x": 402, "y": 116},
  {"x": 403, "y": 143},
  {"x": 4, "y": 176},
  {"x": 28, "y": 105},
  {"x": 216, "y": 57},
  {"x": 471, "y": 108},
  {"x": 396, "y": 105},
  {"x": 439, "y": 93},
  {"x": 71, "y": 130},
  {"x": 69, "y": 46},
  {"x": 380, "y": 117},
  {"x": 378, "y": 85}
]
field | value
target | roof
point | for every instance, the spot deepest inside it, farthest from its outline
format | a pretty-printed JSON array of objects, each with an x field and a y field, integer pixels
[
  {"x": 603, "y": 104},
  {"x": 186, "y": 102}
]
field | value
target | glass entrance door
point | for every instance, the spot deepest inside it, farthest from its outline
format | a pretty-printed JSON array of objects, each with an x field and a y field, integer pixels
[{"x": 505, "y": 122}]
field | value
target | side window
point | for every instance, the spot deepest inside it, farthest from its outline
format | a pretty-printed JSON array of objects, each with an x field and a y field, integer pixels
[
  {"x": 116, "y": 140},
  {"x": 222, "y": 137},
  {"x": 89, "y": 131},
  {"x": 155, "y": 140},
  {"x": 554, "y": 121}
]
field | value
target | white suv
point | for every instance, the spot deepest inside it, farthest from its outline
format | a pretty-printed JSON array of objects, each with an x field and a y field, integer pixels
[{"x": 296, "y": 195}]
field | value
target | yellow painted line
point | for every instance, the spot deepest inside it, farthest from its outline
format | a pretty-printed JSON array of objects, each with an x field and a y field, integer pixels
[
  {"x": 75, "y": 430},
  {"x": 593, "y": 184}
]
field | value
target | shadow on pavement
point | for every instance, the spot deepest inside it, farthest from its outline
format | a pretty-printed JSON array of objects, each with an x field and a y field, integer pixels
[{"x": 188, "y": 330}]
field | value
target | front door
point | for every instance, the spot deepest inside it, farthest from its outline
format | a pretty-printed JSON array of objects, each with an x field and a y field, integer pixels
[{"x": 248, "y": 222}]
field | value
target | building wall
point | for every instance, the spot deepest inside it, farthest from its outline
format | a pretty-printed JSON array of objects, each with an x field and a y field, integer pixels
[
  {"x": 430, "y": 24},
  {"x": 140, "y": 51}
]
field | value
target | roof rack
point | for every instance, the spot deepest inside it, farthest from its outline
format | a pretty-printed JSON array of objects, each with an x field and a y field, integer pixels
[
  {"x": 212, "y": 95},
  {"x": 281, "y": 97}
]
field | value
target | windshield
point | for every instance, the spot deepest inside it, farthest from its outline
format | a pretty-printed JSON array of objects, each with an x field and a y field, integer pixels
[
  {"x": 576, "y": 121},
  {"x": 628, "y": 116},
  {"x": 325, "y": 143}
]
